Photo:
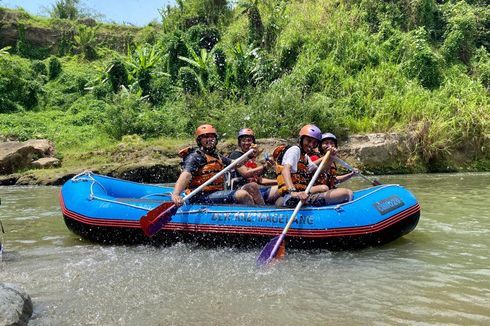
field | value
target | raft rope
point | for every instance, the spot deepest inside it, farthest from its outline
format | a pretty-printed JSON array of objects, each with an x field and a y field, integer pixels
[{"x": 88, "y": 176}]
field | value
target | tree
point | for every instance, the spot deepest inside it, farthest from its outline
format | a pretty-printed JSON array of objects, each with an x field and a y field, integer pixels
[
  {"x": 255, "y": 25},
  {"x": 66, "y": 9}
]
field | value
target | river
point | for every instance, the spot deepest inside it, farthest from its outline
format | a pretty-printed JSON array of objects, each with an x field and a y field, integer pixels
[{"x": 437, "y": 275}]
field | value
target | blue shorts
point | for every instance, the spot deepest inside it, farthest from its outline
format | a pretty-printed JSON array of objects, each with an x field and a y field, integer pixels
[
  {"x": 265, "y": 191},
  {"x": 215, "y": 197}
]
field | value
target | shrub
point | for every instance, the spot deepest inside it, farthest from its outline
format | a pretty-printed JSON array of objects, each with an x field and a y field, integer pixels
[
  {"x": 459, "y": 38},
  {"x": 18, "y": 87},
  {"x": 161, "y": 89},
  {"x": 118, "y": 75},
  {"x": 420, "y": 61},
  {"x": 129, "y": 114},
  {"x": 54, "y": 68},
  {"x": 201, "y": 36},
  {"x": 189, "y": 81},
  {"x": 39, "y": 68}
]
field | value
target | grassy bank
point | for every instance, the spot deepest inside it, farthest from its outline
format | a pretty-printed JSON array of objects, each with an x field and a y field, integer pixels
[{"x": 349, "y": 67}]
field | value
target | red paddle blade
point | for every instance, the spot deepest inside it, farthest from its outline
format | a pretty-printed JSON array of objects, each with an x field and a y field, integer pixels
[
  {"x": 376, "y": 183},
  {"x": 152, "y": 222}
]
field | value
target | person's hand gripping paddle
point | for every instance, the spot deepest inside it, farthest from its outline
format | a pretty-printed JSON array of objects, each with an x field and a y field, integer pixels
[
  {"x": 155, "y": 219},
  {"x": 275, "y": 248}
]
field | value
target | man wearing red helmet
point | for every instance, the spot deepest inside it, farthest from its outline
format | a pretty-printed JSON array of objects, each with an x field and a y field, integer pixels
[
  {"x": 246, "y": 139},
  {"x": 295, "y": 168},
  {"x": 204, "y": 162}
]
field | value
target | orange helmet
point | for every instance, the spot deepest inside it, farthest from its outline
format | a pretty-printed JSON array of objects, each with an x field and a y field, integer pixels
[
  {"x": 205, "y": 129},
  {"x": 311, "y": 131}
]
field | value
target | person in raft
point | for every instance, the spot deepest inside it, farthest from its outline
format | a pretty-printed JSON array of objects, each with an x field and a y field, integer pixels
[
  {"x": 246, "y": 139},
  {"x": 201, "y": 164},
  {"x": 294, "y": 170},
  {"x": 329, "y": 178}
]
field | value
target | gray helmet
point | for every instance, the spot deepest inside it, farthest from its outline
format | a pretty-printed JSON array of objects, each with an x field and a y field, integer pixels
[{"x": 331, "y": 136}]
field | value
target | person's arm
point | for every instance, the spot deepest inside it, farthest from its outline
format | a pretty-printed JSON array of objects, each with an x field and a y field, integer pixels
[
  {"x": 268, "y": 182},
  {"x": 180, "y": 185},
  {"x": 189, "y": 166},
  {"x": 347, "y": 176},
  {"x": 328, "y": 164},
  {"x": 248, "y": 172},
  {"x": 286, "y": 173}
]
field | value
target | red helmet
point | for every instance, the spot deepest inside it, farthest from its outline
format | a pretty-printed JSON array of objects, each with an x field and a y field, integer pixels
[
  {"x": 205, "y": 129},
  {"x": 311, "y": 131}
]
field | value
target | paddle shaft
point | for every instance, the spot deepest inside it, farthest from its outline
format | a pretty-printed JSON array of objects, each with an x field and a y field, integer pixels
[
  {"x": 219, "y": 174},
  {"x": 348, "y": 167},
  {"x": 298, "y": 206},
  {"x": 155, "y": 219}
]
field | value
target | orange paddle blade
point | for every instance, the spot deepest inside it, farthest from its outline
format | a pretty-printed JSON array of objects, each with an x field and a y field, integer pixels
[{"x": 281, "y": 251}]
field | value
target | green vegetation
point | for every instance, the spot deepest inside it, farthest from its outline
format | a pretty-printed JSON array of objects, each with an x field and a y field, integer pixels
[{"x": 419, "y": 66}]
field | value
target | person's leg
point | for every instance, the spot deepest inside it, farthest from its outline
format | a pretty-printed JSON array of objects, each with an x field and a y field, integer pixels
[
  {"x": 243, "y": 197},
  {"x": 331, "y": 197},
  {"x": 273, "y": 195},
  {"x": 318, "y": 189},
  {"x": 218, "y": 197},
  {"x": 252, "y": 188}
]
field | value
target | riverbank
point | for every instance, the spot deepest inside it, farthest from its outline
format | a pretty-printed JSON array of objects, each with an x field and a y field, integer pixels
[{"x": 157, "y": 161}]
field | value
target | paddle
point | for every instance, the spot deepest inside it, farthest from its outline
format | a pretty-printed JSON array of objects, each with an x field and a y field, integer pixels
[
  {"x": 275, "y": 248},
  {"x": 348, "y": 167},
  {"x": 155, "y": 219}
]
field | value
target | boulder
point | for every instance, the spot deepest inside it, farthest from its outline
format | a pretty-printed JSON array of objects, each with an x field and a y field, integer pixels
[
  {"x": 16, "y": 155},
  {"x": 45, "y": 163},
  {"x": 15, "y": 305},
  {"x": 149, "y": 172},
  {"x": 8, "y": 180},
  {"x": 87, "y": 21},
  {"x": 380, "y": 152}
]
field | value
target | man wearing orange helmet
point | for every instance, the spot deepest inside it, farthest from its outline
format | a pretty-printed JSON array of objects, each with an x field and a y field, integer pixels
[
  {"x": 294, "y": 169},
  {"x": 201, "y": 164},
  {"x": 246, "y": 139}
]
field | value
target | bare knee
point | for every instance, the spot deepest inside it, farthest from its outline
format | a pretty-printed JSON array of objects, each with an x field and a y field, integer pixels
[
  {"x": 243, "y": 197},
  {"x": 251, "y": 186},
  {"x": 337, "y": 196},
  {"x": 344, "y": 194}
]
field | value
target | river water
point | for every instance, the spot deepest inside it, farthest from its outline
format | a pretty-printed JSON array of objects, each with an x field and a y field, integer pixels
[{"x": 437, "y": 275}]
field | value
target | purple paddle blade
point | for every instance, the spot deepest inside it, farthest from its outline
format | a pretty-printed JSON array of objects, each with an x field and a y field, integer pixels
[{"x": 270, "y": 250}]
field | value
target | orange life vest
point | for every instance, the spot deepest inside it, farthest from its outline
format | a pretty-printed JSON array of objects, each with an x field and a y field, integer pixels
[
  {"x": 328, "y": 178},
  {"x": 300, "y": 178},
  {"x": 205, "y": 172}
]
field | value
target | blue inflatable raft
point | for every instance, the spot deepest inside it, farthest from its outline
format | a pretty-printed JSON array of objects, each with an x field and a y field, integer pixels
[{"x": 108, "y": 210}]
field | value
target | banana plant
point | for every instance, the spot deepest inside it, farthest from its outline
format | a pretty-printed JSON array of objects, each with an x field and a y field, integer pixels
[
  {"x": 141, "y": 62},
  {"x": 4, "y": 50},
  {"x": 86, "y": 41},
  {"x": 202, "y": 65}
]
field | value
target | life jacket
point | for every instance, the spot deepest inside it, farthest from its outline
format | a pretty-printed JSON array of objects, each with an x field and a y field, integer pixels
[
  {"x": 205, "y": 172},
  {"x": 300, "y": 178},
  {"x": 328, "y": 178}
]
